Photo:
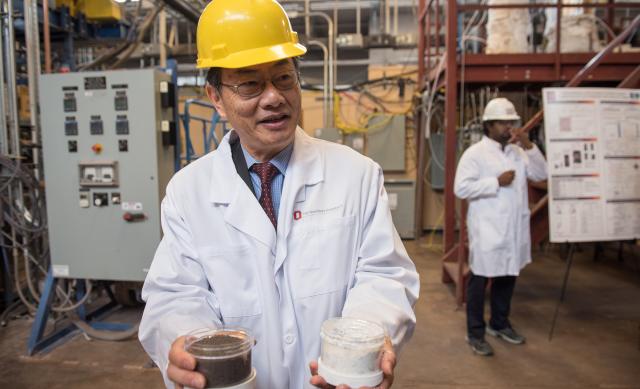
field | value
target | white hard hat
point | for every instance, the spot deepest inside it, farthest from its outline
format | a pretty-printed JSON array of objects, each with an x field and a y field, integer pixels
[{"x": 500, "y": 109}]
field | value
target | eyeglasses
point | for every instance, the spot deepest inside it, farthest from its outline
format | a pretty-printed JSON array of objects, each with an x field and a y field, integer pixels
[{"x": 248, "y": 89}]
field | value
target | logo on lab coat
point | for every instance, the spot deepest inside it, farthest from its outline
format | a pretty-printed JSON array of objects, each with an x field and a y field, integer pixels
[{"x": 297, "y": 215}]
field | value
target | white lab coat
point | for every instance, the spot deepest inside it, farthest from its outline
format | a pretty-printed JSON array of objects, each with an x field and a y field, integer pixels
[
  {"x": 498, "y": 217},
  {"x": 221, "y": 262}
]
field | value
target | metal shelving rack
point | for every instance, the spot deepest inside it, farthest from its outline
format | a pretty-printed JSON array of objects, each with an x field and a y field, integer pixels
[{"x": 530, "y": 68}]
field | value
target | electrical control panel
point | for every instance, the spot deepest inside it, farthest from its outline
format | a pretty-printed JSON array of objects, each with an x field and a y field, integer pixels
[
  {"x": 401, "y": 191},
  {"x": 108, "y": 145}
]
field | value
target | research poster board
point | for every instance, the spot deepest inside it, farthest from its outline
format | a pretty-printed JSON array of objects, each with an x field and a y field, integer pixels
[{"x": 593, "y": 152}]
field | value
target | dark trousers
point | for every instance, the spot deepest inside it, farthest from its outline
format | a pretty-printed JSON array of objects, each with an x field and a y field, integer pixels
[{"x": 501, "y": 293}]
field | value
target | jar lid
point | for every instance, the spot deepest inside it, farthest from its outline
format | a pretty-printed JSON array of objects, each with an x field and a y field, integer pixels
[
  {"x": 351, "y": 332},
  {"x": 218, "y": 343}
]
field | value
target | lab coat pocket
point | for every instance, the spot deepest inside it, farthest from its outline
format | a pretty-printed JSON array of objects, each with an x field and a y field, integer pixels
[
  {"x": 233, "y": 279},
  {"x": 493, "y": 233},
  {"x": 323, "y": 256}
]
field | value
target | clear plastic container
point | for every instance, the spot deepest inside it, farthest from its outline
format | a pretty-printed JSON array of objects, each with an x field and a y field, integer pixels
[
  {"x": 350, "y": 352},
  {"x": 223, "y": 355}
]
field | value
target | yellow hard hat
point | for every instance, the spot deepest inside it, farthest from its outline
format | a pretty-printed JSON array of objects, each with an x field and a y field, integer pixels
[{"x": 240, "y": 33}]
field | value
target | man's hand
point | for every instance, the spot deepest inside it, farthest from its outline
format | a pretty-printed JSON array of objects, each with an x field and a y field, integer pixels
[
  {"x": 387, "y": 364},
  {"x": 506, "y": 178},
  {"x": 181, "y": 367},
  {"x": 518, "y": 135}
]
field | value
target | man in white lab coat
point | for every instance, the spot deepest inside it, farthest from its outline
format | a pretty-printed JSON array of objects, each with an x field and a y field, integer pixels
[
  {"x": 492, "y": 176},
  {"x": 274, "y": 231}
]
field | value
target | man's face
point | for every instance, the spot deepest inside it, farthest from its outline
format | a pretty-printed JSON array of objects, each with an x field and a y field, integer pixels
[
  {"x": 266, "y": 123},
  {"x": 500, "y": 130}
]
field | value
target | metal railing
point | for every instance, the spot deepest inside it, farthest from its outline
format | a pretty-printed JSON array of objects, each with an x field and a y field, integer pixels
[{"x": 210, "y": 139}]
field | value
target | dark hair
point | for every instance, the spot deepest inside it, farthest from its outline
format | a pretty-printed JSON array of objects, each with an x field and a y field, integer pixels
[{"x": 214, "y": 75}]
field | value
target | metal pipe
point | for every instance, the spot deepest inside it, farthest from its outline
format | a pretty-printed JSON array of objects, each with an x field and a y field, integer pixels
[
  {"x": 395, "y": 18},
  {"x": 335, "y": 16},
  {"x": 32, "y": 38},
  {"x": 332, "y": 60},
  {"x": 558, "y": 37},
  {"x": 387, "y": 17},
  {"x": 358, "y": 16},
  {"x": 68, "y": 49},
  {"x": 325, "y": 81},
  {"x": 476, "y": 7},
  {"x": 438, "y": 28},
  {"x": 307, "y": 18},
  {"x": 162, "y": 38},
  {"x": 47, "y": 36},
  {"x": 422, "y": 39},
  {"x": 12, "y": 107},
  {"x": 427, "y": 37},
  {"x": 631, "y": 80},
  {"x": 335, "y": 55},
  {"x": 4, "y": 140},
  {"x": 450, "y": 124},
  {"x": 173, "y": 34}
]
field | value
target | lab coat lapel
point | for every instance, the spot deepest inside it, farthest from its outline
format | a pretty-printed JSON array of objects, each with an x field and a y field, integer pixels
[
  {"x": 306, "y": 168},
  {"x": 243, "y": 209}
]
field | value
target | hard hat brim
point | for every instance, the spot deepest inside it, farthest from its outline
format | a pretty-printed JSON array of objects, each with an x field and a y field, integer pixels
[
  {"x": 500, "y": 117},
  {"x": 255, "y": 56}
]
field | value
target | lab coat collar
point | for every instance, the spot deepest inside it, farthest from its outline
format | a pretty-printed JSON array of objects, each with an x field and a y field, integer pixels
[
  {"x": 492, "y": 143},
  {"x": 243, "y": 210},
  {"x": 306, "y": 161},
  {"x": 223, "y": 171},
  {"x": 306, "y": 167}
]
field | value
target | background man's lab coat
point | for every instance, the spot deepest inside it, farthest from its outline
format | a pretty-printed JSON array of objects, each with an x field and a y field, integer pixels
[{"x": 498, "y": 217}]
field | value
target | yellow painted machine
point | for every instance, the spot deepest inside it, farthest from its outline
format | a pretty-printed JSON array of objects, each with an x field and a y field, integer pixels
[{"x": 94, "y": 10}]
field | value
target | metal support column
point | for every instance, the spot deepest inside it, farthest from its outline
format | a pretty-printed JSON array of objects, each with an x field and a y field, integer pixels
[
  {"x": 450, "y": 124},
  {"x": 423, "y": 36},
  {"x": 40, "y": 321},
  {"x": 4, "y": 140},
  {"x": 10, "y": 71},
  {"x": 32, "y": 38},
  {"x": 38, "y": 343}
]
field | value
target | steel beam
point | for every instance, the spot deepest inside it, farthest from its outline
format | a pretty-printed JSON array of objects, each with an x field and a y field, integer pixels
[
  {"x": 421, "y": 120},
  {"x": 450, "y": 123},
  {"x": 184, "y": 9},
  {"x": 631, "y": 81},
  {"x": 598, "y": 58},
  {"x": 484, "y": 7},
  {"x": 541, "y": 74},
  {"x": 588, "y": 69}
]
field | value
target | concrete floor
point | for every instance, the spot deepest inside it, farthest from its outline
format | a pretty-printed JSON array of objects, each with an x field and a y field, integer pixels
[{"x": 596, "y": 343}]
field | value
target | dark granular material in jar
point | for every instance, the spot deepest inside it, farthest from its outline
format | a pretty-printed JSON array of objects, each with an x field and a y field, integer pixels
[{"x": 221, "y": 372}]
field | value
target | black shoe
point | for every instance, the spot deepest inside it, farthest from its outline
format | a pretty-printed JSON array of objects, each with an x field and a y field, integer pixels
[
  {"x": 508, "y": 334},
  {"x": 480, "y": 346}
]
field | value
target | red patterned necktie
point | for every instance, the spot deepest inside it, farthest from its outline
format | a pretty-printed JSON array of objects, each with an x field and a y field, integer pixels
[{"x": 266, "y": 171}]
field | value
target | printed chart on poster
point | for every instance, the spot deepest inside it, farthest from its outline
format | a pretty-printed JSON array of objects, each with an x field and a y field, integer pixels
[{"x": 593, "y": 151}]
